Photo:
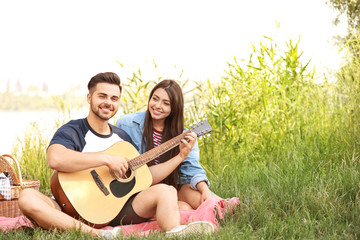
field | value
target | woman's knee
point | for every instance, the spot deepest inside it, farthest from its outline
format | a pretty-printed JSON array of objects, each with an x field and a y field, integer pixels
[
  {"x": 184, "y": 206},
  {"x": 184, "y": 189}
]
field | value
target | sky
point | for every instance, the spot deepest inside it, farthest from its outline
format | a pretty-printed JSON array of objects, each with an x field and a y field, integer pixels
[{"x": 67, "y": 42}]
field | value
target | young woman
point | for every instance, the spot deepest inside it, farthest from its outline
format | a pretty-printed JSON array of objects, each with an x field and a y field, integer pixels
[{"x": 163, "y": 120}]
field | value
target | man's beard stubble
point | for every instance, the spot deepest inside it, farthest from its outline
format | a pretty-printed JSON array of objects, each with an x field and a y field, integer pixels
[{"x": 96, "y": 111}]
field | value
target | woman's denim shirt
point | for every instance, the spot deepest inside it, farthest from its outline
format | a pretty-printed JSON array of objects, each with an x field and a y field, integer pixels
[{"x": 191, "y": 172}]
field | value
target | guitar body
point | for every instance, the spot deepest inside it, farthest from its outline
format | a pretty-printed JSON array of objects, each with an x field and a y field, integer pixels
[{"x": 81, "y": 197}]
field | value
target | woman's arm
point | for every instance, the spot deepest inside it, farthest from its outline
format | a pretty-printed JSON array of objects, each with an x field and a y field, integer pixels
[
  {"x": 204, "y": 190},
  {"x": 191, "y": 171},
  {"x": 161, "y": 171}
]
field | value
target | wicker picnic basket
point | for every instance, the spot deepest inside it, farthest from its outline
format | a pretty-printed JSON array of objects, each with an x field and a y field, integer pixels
[{"x": 10, "y": 208}]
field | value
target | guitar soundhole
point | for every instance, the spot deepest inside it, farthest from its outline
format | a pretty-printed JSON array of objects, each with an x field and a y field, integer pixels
[
  {"x": 127, "y": 175},
  {"x": 120, "y": 189}
]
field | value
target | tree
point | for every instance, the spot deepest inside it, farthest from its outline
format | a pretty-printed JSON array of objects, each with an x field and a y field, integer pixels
[{"x": 351, "y": 8}]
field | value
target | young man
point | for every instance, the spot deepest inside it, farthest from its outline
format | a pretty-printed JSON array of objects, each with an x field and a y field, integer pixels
[{"x": 79, "y": 145}]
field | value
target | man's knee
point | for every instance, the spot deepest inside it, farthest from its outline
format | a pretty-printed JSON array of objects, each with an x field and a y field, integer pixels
[
  {"x": 28, "y": 200},
  {"x": 165, "y": 190}
]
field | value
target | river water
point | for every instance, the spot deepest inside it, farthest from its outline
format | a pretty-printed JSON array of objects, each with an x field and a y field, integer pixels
[{"x": 13, "y": 125}]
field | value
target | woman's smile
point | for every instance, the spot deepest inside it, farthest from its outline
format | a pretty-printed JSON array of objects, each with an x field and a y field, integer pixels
[{"x": 159, "y": 105}]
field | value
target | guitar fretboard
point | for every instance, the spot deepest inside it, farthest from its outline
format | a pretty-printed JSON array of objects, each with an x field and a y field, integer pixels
[{"x": 146, "y": 157}]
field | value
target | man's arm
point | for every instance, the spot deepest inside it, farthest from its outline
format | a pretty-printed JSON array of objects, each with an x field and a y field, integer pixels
[{"x": 63, "y": 159}]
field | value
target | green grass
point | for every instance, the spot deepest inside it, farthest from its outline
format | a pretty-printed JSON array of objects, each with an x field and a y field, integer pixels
[{"x": 287, "y": 146}]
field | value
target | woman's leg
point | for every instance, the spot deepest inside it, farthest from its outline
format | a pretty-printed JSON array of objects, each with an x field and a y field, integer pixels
[
  {"x": 190, "y": 196},
  {"x": 184, "y": 206}
]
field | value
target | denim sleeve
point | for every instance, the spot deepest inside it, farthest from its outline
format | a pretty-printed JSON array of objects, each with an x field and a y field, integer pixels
[
  {"x": 125, "y": 123},
  {"x": 191, "y": 171}
]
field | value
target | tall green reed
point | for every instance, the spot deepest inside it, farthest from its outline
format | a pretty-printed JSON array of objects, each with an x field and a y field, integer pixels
[
  {"x": 271, "y": 100},
  {"x": 136, "y": 90},
  {"x": 286, "y": 142},
  {"x": 135, "y": 93},
  {"x": 349, "y": 82},
  {"x": 31, "y": 150}
]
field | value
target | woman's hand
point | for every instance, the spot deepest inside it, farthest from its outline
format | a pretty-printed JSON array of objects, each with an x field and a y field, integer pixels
[
  {"x": 203, "y": 188},
  {"x": 205, "y": 195},
  {"x": 187, "y": 144}
]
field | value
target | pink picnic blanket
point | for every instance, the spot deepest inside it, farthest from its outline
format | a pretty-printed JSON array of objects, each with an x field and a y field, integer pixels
[{"x": 209, "y": 210}]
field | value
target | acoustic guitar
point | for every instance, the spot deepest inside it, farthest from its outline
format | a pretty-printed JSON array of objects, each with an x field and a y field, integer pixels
[{"x": 96, "y": 196}]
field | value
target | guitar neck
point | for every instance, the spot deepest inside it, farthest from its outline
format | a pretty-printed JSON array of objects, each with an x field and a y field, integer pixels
[{"x": 150, "y": 155}]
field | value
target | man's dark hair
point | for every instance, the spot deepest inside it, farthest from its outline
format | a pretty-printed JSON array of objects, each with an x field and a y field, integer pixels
[{"x": 107, "y": 77}]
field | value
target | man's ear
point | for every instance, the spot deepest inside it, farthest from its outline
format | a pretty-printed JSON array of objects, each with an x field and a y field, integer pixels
[{"x": 88, "y": 97}]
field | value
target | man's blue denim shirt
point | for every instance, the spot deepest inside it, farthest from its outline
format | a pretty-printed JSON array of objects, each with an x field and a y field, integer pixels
[{"x": 191, "y": 172}]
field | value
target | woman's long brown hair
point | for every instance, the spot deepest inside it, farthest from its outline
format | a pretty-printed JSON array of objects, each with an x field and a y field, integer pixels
[{"x": 174, "y": 126}]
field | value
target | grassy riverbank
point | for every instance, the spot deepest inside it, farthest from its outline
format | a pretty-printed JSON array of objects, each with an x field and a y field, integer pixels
[{"x": 285, "y": 141}]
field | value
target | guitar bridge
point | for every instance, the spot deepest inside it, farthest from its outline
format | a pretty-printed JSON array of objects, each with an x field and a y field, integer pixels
[{"x": 99, "y": 182}]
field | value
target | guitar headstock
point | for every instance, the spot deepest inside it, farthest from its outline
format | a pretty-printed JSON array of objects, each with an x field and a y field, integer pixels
[{"x": 201, "y": 128}]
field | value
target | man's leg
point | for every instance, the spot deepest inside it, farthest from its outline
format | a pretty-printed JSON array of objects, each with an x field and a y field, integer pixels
[
  {"x": 160, "y": 200},
  {"x": 47, "y": 213}
]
